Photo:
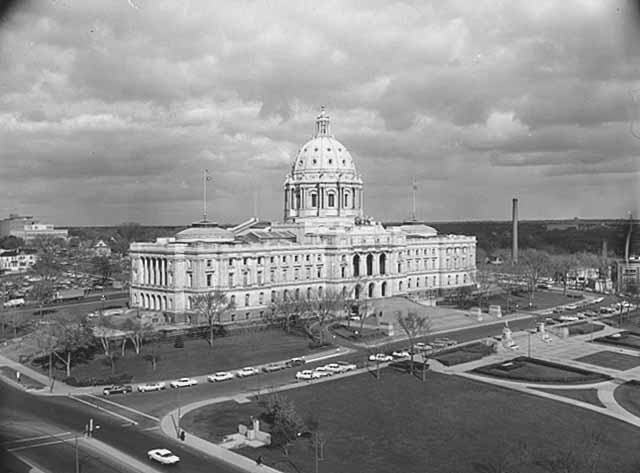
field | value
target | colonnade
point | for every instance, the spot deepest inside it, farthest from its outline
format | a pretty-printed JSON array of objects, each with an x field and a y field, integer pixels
[
  {"x": 154, "y": 271},
  {"x": 153, "y": 302}
]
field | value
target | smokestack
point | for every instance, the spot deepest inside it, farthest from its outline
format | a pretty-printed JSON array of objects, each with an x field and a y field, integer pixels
[
  {"x": 514, "y": 218},
  {"x": 604, "y": 249}
]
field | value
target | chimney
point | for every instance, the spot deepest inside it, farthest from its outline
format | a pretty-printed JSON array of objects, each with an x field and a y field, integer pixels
[
  {"x": 514, "y": 217},
  {"x": 604, "y": 249}
]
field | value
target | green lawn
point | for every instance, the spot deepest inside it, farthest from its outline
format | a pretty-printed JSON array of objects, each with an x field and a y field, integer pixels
[
  {"x": 197, "y": 357},
  {"x": 626, "y": 339},
  {"x": 611, "y": 359},
  {"x": 589, "y": 395},
  {"x": 25, "y": 380},
  {"x": 584, "y": 328},
  {"x": 541, "y": 300},
  {"x": 538, "y": 371},
  {"x": 628, "y": 395},
  {"x": 447, "y": 424},
  {"x": 463, "y": 354}
]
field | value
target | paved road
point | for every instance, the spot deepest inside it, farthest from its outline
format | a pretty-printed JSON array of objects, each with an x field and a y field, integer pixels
[{"x": 67, "y": 415}]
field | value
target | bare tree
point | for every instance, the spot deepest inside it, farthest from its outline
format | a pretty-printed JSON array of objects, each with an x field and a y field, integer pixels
[
  {"x": 533, "y": 265},
  {"x": 325, "y": 309},
  {"x": 414, "y": 325},
  {"x": 212, "y": 306},
  {"x": 66, "y": 337},
  {"x": 135, "y": 330}
]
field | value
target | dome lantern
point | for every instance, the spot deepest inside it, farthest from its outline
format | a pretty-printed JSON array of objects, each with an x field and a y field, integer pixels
[{"x": 322, "y": 124}]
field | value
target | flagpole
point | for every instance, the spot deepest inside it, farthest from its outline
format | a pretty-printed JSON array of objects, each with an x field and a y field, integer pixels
[
  {"x": 413, "y": 202},
  {"x": 204, "y": 195}
]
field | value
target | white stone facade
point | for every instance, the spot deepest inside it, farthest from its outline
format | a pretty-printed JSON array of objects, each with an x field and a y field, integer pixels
[{"x": 324, "y": 244}]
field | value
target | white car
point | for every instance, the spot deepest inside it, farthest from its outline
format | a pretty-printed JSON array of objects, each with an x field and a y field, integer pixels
[
  {"x": 401, "y": 354},
  {"x": 183, "y": 383},
  {"x": 381, "y": 357},
  {"x": 332, "y": 367},
  {"x": 322, "y": 371},
  {"x": 144, "y": 388},
  {"x": 164, "y": 456},
  {"x": 220, "y": 376},
  {"x": 345, "y": 366},
  {"x": 597, "y": 300},
  {"x": 421, "y": 346},
  {"x": 248, "y": 371},
  {"x": 307, "y": 375}
]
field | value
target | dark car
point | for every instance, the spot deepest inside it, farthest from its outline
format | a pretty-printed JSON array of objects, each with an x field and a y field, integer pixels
[
  {"x": 45, "y": 312},
  {"x": 295, "y": 362},
  {"x": 117, "y": 389}
]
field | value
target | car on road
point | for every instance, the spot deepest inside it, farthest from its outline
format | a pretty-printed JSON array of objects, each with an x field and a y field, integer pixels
[
  {"x": 346, "y": 366},
  {"x": 590, "y": 313},
  {"x": 220, "y": 376},
  {"x": 164, "y": 456},
  {"x": 401, "y": 354},
  {"x": 573, "y": 306},
  {"x": 183, "y": 383},
  {"x": 143, "y": 388},
  {"x": 568, "y": 318},
  {"x": 117, "y": 389},
  {"x": 443, "y": 342},
  {"x": 597, "y": 300},
  {"x": 248, "y": 371},
  {"x": 307, "y": 375},
  {"x": 380, "y": 357},
  {"x": 421, "y": 346},
  {"x": 333, "y": 368},
  {"x": 295, "y": 362},
  {"x": 322, "y": 371},
  {"x": 271, "y": 367},
  {"x": 607, "y": 310},
  {"x": 559, "y": 309}
]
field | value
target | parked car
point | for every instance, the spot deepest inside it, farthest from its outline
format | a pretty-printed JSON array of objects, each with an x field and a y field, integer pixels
[
  {"x": 295, "y": 362},
  {"x": 248, "y": 371},
  {"x": 183, "y": 383},
  {"x": 420, "y": 346},
  {"x": 220, "y": 376},
  {"x": 346, "y": 366},
  {"x": 270, "y": 368},
  {"x": 559, "y": 309},
  {"x": 117, "y": 389},
  {"x": 401, "y": 354},
  {"x": 164, "y": 456},
  {"x": 443, "y": 342},
  {"x": 322, "y": 371},
  {"x": 380, "y": 357},
  {"x": 607, "y": 310},
  {"x": 332, "y": 367},
  {"x": 590, "y": 313},
  {"x": 307, "y": 375},
  {"x": 143, "y": 388},
  {"x": 568, "y": 318}
]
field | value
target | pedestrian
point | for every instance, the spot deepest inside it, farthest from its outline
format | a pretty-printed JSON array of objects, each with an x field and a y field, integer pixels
[
  {"x": 182, "y": 435},
  {"x": 259, "y": 460}
]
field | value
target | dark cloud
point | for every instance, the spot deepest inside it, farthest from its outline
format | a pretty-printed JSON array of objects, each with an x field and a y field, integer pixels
[{"x": 110, "y": 112}]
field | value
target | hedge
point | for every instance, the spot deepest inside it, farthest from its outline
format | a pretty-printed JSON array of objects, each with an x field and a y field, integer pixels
[{"x": 118, "y": 379}]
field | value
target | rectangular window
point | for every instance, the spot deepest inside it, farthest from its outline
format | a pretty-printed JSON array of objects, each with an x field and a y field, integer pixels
[
  {"x": 261, "y": 298},
  {"x": 296, "y": 274},
  {"x": 260, "y": 260},
  {"x": 319, "y": 271},
  {"x": 209, "y": 263},
  {"x": 231, "y": 280},
  {"x": 245, "y": 278},
  {"x": 189, "y": 280},
  {"x": 245, "y": 261},
  {"x": 308, "y": 258},
  {"x": 230, "y": 261},
  {"x": 260, "y": 277},
  {"x": 272, "y": 275},
  {"x": 272, "y": 259},
  {"x": 284, "y": 274},
  {"x": 209, "y": 280},
  {"x": 308, "y": 273}
]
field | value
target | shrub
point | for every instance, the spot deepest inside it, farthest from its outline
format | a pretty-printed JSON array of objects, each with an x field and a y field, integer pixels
[{"x": 83, "y": 382}]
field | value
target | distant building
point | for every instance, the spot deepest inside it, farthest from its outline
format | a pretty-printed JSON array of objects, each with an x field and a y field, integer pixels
[
  {"x": 28, "y": 228},
  {"x": 17, "y": 261},
  {"x": 100, "y": 248},
  {"x": 495, "y": 260}
]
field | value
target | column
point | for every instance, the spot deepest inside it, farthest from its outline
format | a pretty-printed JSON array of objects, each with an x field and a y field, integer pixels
[
  {"x": 155, "y": 271},
  {"x": 164, "y": 271},
  {"x": 363, "y": 264},
  {"x": 147, "y": 274},
  {"x": 339, "y": 200},
  {"x": 141, "y": 270},
  {"x": 376, "y": 264}
]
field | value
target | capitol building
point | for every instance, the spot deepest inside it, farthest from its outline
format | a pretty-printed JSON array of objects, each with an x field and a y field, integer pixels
[{"x": 324, "y": 243}]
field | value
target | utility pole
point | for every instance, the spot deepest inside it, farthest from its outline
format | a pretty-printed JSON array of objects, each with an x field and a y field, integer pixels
[{"x": 77, "y": 455}]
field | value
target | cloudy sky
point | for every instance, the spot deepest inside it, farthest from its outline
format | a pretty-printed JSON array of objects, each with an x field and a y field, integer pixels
[{"x": 111, "y": 109}]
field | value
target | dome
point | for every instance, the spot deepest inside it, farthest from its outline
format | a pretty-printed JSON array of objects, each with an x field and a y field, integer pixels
[
  {"x": 419, "y": 230},
  {"x": 205, "y": 231},
  {"x": 323, "y": 153}
]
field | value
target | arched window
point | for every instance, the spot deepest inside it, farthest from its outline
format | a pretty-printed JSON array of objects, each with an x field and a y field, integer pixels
[
  {"x": 261, "y": 298},
  {"x": 343, "y": 272},
  {"x": 297, "y": 293},
  {"x": 314, "y": 200},
  {"x": 369, "y": 264},
  {"x": 308, "y": 293},
  {"x": 344, "y": 292},
  {"x": 233, "y": 300},
  {"x": 346, "y": 200},
  {"x": 356, "y": 265},
  {"x": 319, "y": 291},
  {"x": 246, "y": 300},
  {"x": 409, "y": 283},
  {"x": 372, "y": 288},
  {"x": 297, "y": 199},
  {"x": 331, "y": 199},
  {"x": 400, "y": 286},
  {"x": 273, "y": 296},
  {"x": 383, "y": 263},
  {"x": 383, "y": 289}
]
